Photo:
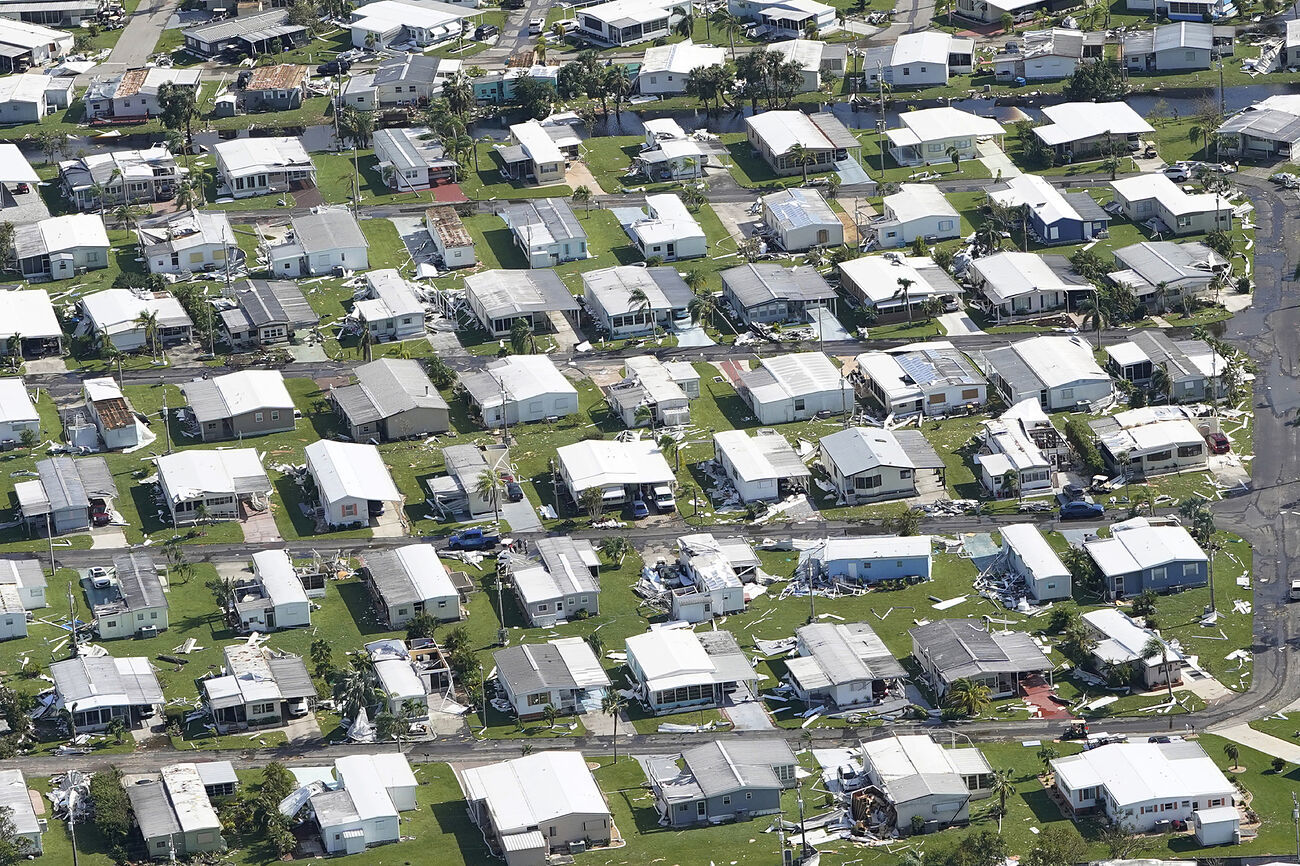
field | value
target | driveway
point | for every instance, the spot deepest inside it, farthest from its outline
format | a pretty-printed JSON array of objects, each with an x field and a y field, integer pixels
[
  {"x": 996, "y": 160},
  {"x": 389, "y": 524},
  {"x": 142, "y": 32},
  {"x": 260, "y": 528},
  {"x": 521, "y": 515},
  {"x": 959, "y": 324},
  {"x": 746, "y": 712}
]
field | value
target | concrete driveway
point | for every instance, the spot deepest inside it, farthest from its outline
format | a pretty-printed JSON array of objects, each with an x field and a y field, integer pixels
[
  {"x": 746, "y": 712},
  {"x": 521, "y": 515}
]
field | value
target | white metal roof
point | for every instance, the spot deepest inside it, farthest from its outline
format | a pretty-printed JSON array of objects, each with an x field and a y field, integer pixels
[
  {"x": 797, "y": 375},
  {"x": 536, "y": 142},
  {"x": 1038, "y": 194},
  {"x": 15, "y": 402},
  {"x": 367, "y": 779},
  {"x": 527, "y": 377},
  {"x": 244, "y": 156},
  {"x": 1135, "y": 546},
  {"x": 350, "y": 470},
  {"x": 1121, "y": 640},
  {"x": 873, "y": 547},
  {"x": 117, "y": 310},
  {"x": 926, "y": 47},
  {"x": 606, "y": 463},
  {"x": 531, "y": 791},
  {"x": 1076, "y": 121},
  {"x": 1059, "y": 361},
  {"x": 1034, "y": 551},
  {"x": 877, "y": 278},
  {"x": 1170, "y": 195},
  {"x": 275, "y": 570},
  {"x": 939, "y": 124},
  {"x": 680, "y": 58},
  {"x": 28, "y": 312},
  {"x": 1012, "y": 274},
  {"x": 193, "y": 473},
  {"x": 1137, "y": 773},
  {"x": 915, "y": 201},
  {"x": 14, "y": 167},
  {"x": 671, "y": 657},
  {"x": 782, "y": 130}
]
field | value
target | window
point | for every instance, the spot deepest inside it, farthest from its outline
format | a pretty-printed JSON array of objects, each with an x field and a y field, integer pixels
[
  {"x": 906, "y": 71},
  {"x": 970, "y": 394},
  {"x": 1190, "y": 569},
  {"x": 1189, "y": 450},
  {"x": 539, "y": 700},
  {"x": 1067, "y": 393},
  {"x": 275, "y": 415},
  {"x": 726, "y": 801},
  {"x": 257, "y": 417},
  {"x": 1053, "y": 233},
  {"x": 350, "y": 509},
  {"x": 905, "y": 473},
  {"x": 1158, "y": 456},
  {"x": 945, "y": 225}
]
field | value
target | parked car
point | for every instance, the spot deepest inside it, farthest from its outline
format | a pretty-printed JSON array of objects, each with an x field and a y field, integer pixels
[
  {"x": 1081, "y": 509},
  {"x": 337, "y": 66},
  {"x": 99, "y": 515},
  {"x": 1072, "y": 492},
  {"x": 639, "y": 509},
  {"x": 535, "y": 26},
  {"x": 514, "y": 492},
  {"x": 1178, "y": 172},
  {"x": 99, "y": 577},
  {"x": 1219, "y": 443},
  {"x": 375, "y": 507},
  {"x": 486, "y": 31}
]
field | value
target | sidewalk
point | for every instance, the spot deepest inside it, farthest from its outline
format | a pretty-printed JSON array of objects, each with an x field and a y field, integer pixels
[{"x": 1260, "y": 742}]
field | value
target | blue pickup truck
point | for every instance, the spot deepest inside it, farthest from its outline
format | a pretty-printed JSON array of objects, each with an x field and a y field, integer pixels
[{"x": 473, "y": 539}]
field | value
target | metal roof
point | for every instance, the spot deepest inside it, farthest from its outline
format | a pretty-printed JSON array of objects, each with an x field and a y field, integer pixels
[
  {"x": 138, "y": 581},
  {"x": 236, "y": 394},
  {"x": 328, "y": 229},
  {"x": 219, "y": 30},
  {"x": 106, "y": 681},
  {"x": 385, "y": 388},
  {"x": 763, "y": 282},
  {"x": 412, "y": 573},
  {"x": 860, "y": 449},
  {"x": 612, "y": 288},
  {"x": 273, "y": 302},
  {"x": 543, "y": 222},
  {"x": 724, "y": 767},
  {"x": 504, "y": 294},
  {"x": 567, "y": 663},
  {"x": 842, "y": 654},
  {"x": 961, "y": 648},
  {"x": 350, "y": 470}
]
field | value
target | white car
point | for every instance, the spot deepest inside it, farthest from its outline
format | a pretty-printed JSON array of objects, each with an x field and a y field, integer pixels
[
  {"x": 100, "y": 578},
  {"x": 1178, "y": 172}
]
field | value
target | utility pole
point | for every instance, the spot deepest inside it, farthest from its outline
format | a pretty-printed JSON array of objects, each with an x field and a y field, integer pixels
[
  {"x": 165, "y": 416},
  {"x": 72, "y": 622},
  {"x": 49, "y": 536},
  {"x": 1295, "y": 819},
  {"x": 880, "y": 121}
]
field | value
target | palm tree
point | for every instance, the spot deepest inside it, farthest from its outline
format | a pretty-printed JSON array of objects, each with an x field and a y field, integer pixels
[
  {"x": 1011, "y": 482},
  {"x": 1002, "y": 787},
  {"x": 1162, "y": 383},
  {"x": 582, "y": 196},
  {"x": 954, "y": 153},
  {"x": 728, "y": 24},
  {"x": 639, "y": 301},
  {"x": 459, "y": 93},
  {"x": 592, "y": 501},
  {"x": 1047, "y": 754},
  {"x": 354, "y": 690},
  {"x": 1234, "y": 754},
  {"x": 549, "y": 714},
  {"x": 668, "y": 446},
  {"x": 367, "y": 345},
  {"x": 1156, "y": 647},
  {"x": 800, "y": 156},
  {"x": 904, "y": 291},
  {"x": 1093, "y": 314},
  {"x": 613, "y": 705},
  {"x": 685, "y": 25},
  {"x": 615, "y": 548},
  {"x": 148, "y": 320},
  {"x": 1161, "y": 295},
  {"x": 490, "y": 482},
  {"x": 968, "y": 697},
  {"x": 322, "y": 657}
]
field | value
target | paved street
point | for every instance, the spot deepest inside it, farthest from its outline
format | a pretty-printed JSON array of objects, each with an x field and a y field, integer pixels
[{"x": 140, "y": 36}]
